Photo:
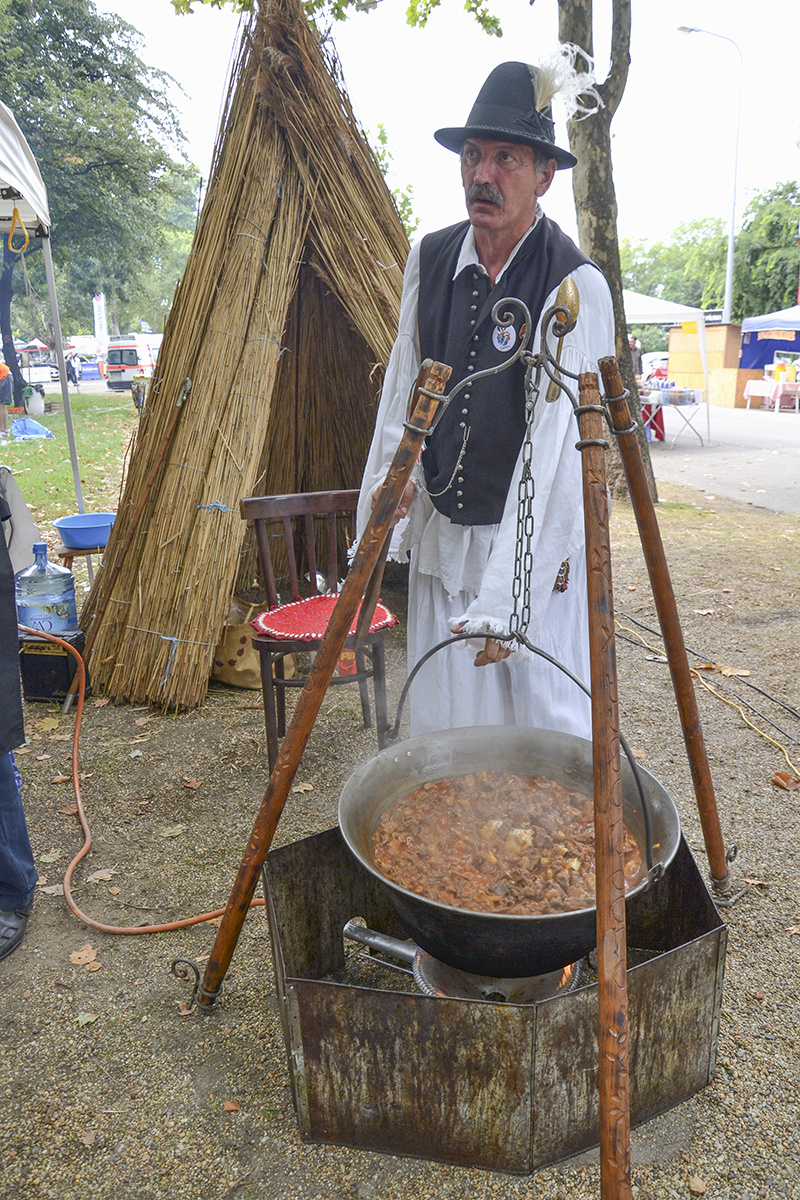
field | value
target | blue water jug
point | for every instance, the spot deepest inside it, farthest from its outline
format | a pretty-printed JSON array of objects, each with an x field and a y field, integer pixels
[{"x": 45, "y": 595}]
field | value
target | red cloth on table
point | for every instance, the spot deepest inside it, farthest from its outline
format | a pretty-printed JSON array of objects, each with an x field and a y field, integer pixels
[{"x": 657, "y": 423}]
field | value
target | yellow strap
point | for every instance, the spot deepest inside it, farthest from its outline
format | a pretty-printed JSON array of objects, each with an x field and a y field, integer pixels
[{"x": 18, "y": 249}]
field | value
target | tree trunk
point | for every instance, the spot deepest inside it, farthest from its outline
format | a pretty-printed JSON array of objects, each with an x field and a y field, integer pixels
[{"x": 595, "y": 198}]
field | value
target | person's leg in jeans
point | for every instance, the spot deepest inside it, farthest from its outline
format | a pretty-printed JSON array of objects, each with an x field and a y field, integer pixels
[{"x": 17, "y": 872}]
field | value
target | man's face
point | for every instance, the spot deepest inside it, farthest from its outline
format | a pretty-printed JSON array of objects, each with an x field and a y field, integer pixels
[{"x": 502, "y": 184}]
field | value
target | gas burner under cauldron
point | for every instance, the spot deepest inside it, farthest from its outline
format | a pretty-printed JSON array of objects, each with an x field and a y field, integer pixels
[{"x": 435, "y": 978}]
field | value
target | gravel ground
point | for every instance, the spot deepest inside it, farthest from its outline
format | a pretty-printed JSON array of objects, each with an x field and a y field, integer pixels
[{"x": 109, "y": 1091}]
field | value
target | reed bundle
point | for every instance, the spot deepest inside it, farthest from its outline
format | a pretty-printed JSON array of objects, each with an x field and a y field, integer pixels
[{"x": 283, "y": 321}]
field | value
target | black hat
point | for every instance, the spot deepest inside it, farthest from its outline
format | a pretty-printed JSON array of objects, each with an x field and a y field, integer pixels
[{"x": 505, "y": 110}]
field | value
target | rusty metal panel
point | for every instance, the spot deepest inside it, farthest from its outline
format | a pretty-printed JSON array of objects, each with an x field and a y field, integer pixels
[
  {"x": 406, "y": 1074},
  {"x": 316, "y": 887}
]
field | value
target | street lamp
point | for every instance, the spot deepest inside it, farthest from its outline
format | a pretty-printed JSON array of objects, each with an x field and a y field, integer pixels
[{"x": 726, "y": 307}]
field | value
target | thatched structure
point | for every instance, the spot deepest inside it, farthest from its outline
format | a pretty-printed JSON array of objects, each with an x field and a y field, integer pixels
[{"x": 283, "y": 321}]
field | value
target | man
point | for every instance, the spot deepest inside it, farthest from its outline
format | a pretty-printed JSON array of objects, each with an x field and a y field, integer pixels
[
  {"x": 17, "y": 872},
  {"x": 636, "y": 355},
  {"x": 462, "y": 503}
]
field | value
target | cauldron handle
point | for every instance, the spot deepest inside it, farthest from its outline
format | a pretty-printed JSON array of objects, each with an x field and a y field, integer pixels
[{"x": 654, "y": 870}]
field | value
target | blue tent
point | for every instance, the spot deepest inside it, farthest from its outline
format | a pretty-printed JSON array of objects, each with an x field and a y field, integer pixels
[{"x": 758, "y": 347}]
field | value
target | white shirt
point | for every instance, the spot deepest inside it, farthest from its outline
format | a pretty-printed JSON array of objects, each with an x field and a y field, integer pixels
[{"x": 480, "y": 558}]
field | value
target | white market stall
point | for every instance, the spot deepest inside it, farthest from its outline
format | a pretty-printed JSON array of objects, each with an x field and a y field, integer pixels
[
  {"x": 24, "y": 209},
  {"x": 648, "y": 310}
]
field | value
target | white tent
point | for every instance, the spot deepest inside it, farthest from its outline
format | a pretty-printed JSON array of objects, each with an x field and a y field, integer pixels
[
  {"x": 787, "y": 318},
  {"x": 23, "y": 206},
  {"x": 647, "y": 310}
]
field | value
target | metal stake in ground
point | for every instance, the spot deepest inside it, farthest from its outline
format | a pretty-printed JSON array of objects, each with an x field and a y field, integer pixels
[
  {"x": 430, "y": 385},
  {"x": 612, "y": 983},
  {"x": 664, "y": 596}
]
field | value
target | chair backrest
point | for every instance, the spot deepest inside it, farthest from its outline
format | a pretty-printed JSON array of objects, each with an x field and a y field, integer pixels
[{"x": 308, "y": 525}]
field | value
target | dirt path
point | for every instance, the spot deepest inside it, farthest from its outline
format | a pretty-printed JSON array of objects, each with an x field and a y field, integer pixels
[{"x": 109, "y": 1091}]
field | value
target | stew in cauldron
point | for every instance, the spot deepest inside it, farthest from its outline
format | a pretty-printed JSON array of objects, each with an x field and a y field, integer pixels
[{"x": 496, "y": 842}]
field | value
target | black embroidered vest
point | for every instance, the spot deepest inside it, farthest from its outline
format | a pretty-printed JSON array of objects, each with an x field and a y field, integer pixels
[{"x": 468, "y": 480}]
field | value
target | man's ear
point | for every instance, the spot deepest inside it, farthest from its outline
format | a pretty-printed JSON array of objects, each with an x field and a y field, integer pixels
[{"x": 546, "y": 177}]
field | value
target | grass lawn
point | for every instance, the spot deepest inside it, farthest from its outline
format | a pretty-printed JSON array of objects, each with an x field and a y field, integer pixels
[{"x": 104, "y": 423}]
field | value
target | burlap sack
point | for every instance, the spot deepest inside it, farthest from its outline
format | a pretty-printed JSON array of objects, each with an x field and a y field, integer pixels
[{"x": 235, "y": 661}]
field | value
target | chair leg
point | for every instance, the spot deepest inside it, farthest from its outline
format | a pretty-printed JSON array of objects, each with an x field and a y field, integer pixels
[
  {"x": 363, "y": 688},
  {"x": 270, "y": 715},
  {"x": 280, "y": 692},
  {"x": 379, "y": 684}
]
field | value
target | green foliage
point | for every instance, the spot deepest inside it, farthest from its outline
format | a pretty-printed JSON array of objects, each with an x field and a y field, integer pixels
[
  {"x": 767, "y": 259},
  {"x": 690, "y": 268},
  {"x": 417, "y": 13},
  {"x": 403, "y": 197},
  {"x": 102, "y": 130}
]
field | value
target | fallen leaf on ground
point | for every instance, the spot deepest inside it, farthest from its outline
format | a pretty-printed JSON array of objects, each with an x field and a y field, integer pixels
[
  {"x": 759, "y": 995},
  {"x": 135, "y": 754},
  {"x": 51, "y": 856},
  {"x": 704, "y": 612},
  {"x": 61, "y": 779},
  {"x": 47, "y": 724},
  {"x": 88, "y": 1137},
  {"x": 193, "y": 783},
  {"x": 53, "y": 889},
  {"x": 86, "y": 1018},
  {"x": 215, "y": 921},
  {"x": 142, "y": 720},
  {"x": 101, "y": 876},
  {"x": 184, "y": 1009},
  {"x": 101, "y": 702},
  {"x": 94, "y": 966},
  {"x": 115, "y": 891},
  {"x": 42, "y": 757},
  {"x": 85, "y": 955},
  {"x": 697, "y": 1186},
  {"x": 60, "y": 737},
  {"x": 230, "y": 1106},
  {"x": 22, "y": 750},
  {"x": 69, "y": 810},
  {"x": 756, "y": 882},
  {"x": 303, "y": 787},
  {"x": 788, "y": 782},
  {"x": 793, "y": 929},
  {"x": 172, "y": 831}
]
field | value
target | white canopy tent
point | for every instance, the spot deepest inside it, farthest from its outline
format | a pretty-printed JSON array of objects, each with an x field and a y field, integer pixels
[
  {"x": 23, "y": 206},
  {"x": 647, "y": 310}
]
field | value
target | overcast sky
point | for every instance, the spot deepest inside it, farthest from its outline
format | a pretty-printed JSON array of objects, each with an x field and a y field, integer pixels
[{"x": 674, "y": 133}]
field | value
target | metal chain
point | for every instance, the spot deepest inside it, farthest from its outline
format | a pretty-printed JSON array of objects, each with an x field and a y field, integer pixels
[{"x": 523, "y": 559}]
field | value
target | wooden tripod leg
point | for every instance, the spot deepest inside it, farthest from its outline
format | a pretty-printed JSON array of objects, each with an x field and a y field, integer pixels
[
  {"x": 667, "y": 610},
  {"x": 432, "y": 377},
  {"x": 612, "y": 978}
]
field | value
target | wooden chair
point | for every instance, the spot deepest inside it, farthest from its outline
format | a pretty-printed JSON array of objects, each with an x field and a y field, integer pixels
[{"x": 298, "y": 538}]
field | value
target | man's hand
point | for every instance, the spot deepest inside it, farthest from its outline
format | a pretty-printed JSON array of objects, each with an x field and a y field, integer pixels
[
  {"x": 493, "y": 651},
  {"x": 409, "y": 492}
]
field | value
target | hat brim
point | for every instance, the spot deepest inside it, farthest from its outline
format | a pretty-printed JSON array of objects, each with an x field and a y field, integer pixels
[{"x": 454, "y": 138}]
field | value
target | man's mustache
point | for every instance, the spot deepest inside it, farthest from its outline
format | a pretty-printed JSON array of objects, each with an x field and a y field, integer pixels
[{"x": 484, "y": 191}]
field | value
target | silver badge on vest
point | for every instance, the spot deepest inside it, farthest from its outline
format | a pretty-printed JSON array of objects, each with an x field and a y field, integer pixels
[{"x": 504, "y": 338}]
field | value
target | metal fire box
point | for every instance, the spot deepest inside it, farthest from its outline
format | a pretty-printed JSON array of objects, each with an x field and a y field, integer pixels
[{"x": 501, "y": 1086}]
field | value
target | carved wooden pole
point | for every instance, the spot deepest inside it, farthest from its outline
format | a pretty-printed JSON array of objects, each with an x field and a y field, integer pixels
[
  {"x": 667, "y": 610},
  {"x": 432, "y": 377},
  {"x": 612, "y": 978}
]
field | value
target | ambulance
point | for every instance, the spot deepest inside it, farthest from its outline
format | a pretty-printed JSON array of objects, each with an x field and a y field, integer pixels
[{"x": 127, "y": 356}]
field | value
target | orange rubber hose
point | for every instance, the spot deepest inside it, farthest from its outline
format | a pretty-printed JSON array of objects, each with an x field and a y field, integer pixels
[{"x": 167, "y": 926}]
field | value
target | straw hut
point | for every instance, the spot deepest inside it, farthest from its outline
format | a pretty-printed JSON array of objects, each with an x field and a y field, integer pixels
[{"x": 283, "y": 323}]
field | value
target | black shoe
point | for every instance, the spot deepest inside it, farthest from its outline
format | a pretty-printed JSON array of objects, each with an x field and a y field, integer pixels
[{"x": 12, "y": 928}]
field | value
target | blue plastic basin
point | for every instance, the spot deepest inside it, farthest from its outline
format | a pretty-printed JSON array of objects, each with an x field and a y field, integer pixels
[{"x": 85, "y": 531}]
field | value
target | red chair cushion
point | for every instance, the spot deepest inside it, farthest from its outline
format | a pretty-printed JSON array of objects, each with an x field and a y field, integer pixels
[{"x": 307, "y": 620}]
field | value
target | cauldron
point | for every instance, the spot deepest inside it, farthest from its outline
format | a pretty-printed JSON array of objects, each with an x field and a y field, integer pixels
[{"x": 495, "y": 944}]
